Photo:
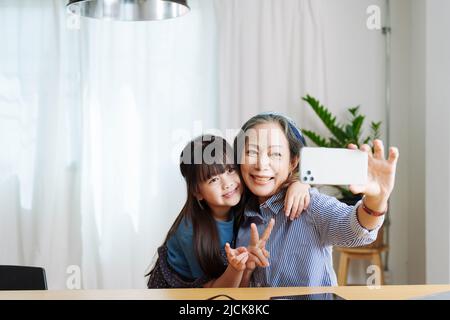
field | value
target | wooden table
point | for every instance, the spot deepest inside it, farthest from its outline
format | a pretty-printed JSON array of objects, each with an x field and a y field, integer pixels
[{"x": 349, "y": 292}]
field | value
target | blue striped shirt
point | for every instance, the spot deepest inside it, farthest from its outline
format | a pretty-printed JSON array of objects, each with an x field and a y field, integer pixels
[{"x": 301, "y": 250}]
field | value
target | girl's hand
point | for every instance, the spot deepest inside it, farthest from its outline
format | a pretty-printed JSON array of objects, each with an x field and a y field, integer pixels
[
  {"x": 296, "y": 200},
  {"x": 237, "y": 258},
  {"x": 258, "y": 253}
]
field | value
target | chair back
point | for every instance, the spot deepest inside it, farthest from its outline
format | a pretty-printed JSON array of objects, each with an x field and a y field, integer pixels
[{"x": 22, "y": 278}]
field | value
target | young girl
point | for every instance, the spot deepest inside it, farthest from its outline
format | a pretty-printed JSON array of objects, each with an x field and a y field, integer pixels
[
  {"x": 301, "y": 249},
  {"x": 192, "y": 254}
]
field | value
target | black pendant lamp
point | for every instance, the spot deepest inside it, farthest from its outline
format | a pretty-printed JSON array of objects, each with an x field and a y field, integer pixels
[{"x": 129, "y": 10}]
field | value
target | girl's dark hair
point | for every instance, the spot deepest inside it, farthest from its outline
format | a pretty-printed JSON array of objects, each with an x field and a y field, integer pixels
[
  {"x": 294, "y": 137},
  {"x": 201, "y": 159}
]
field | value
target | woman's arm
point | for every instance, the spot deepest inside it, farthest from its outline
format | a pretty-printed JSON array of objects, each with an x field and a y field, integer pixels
[
  {"x": 348, "y": 226},
  {"x": 367, "y": 220},
  {"x": 381, "y": 179}
]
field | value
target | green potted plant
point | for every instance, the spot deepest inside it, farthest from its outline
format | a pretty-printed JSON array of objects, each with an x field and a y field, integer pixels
[{"x": 342, "y": 134}]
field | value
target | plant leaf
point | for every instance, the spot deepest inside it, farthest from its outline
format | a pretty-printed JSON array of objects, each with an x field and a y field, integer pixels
[
  {"x": 328, "y": 119},
  {"x": 315, "y": 138},
  {"x": 375, "y": 127},
  {"x": 354, "y": 111},
  {"x": 356, "y": 127},
  {"x": 343, "y": 134},
  {"x": 336, "y": 144}
]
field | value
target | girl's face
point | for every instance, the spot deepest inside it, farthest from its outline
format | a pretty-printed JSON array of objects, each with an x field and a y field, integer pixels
[
  {"x": 266, "y": 163},
  {"x": 221, "y": 192}
]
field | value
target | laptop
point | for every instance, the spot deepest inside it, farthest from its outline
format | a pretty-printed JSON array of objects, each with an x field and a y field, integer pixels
[
  {"x": 435, "y": 296},
  {"x": 314, "y": 296}
]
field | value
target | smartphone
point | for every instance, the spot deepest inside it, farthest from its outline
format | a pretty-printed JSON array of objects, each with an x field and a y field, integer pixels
[
  {"x": 315, "y": 296},
  {"x": 333, "y": 166}
]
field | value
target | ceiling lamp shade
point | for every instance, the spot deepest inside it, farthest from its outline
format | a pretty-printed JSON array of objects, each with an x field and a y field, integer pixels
[{"x": 129, "y": 10}]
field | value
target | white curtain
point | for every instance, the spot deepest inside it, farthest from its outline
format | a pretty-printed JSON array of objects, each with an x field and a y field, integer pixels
[
  {"x": 93, "y": 117},
  {"x": 271, "y": 54},
  {"x": 91, "y": 122}
]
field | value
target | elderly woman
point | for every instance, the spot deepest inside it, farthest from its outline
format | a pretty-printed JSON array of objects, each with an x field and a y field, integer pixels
[{"x": 267, "y": 150}]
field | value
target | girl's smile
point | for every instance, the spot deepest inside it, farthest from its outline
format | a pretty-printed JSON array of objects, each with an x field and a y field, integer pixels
[{"x": 232, "y": 193}]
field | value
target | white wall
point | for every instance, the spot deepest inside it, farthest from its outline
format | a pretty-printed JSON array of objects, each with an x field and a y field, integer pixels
[
  {"x": 399, "y": 136},
  {"x": 354, "y": 58},
  {"x": 355, "y": 61},
  {"x": 421, "y": 101},
  {"x": 420, "y": 104},
  {"x": 416, "y": 150},
  {"x": 437, "y": 141}
]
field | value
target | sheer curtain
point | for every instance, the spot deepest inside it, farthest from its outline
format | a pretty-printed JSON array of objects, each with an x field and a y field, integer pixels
[
  {"x": 271, "y": 53},
  {"x": 93, "y": 116},
  {"x": 91, "y": 121}
]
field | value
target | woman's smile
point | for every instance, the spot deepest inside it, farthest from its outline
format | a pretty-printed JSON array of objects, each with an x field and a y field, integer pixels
[{"x": 261, "y": 180}]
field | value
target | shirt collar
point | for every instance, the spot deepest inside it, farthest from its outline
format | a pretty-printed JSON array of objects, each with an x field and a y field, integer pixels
[{"x": 274, "y": 204}]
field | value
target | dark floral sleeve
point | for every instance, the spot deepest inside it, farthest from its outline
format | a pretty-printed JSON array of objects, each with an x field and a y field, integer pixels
[{"x": 163, "y": 275}]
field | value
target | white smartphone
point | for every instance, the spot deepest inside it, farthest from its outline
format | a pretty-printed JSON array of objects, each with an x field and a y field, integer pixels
[{"x": 333, "y": 166}]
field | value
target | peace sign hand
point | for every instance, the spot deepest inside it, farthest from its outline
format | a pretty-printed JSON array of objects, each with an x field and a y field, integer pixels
[{"x": 258, "y": 253}]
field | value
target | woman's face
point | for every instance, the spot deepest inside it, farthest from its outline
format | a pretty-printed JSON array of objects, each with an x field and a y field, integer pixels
[
  {"x": 221, "y": 192},
  {"x": 266, "y": 163}
]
